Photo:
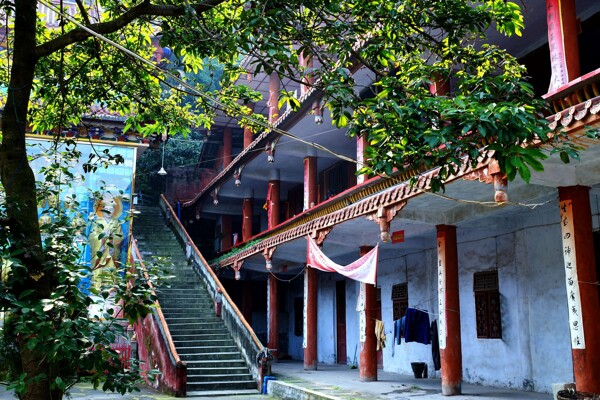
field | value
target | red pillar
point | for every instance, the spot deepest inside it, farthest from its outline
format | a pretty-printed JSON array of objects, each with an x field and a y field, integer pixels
[
  {"x": 310, "y": 319},
  {"x": 274, "y": 85},
  {"x": 227, "y": 238},
  {"x": 310, "y": 275},
  {"x": 248, "y": 136},
  {"x": 310, "y": 182},
  {"x": 247, "y": 218},
  {"x": 449, "y": 310},
  {"x": 227, "y": 147},
  {"x": 582, "y": 297},
  {"x": 273, "y": 204},
  {"x": 361, "y": 145},
  {"x": 562, "y": 39},
  {"x": 368, "y": 348},
  {"x": 273, "y": 316}
]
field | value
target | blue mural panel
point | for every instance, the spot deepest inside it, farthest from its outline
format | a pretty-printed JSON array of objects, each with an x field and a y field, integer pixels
[{"x": 103, "y": 202}]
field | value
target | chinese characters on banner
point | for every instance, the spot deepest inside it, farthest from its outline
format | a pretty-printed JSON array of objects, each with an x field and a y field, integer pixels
[
  {"x": 556, "y": 42},
  {"x": 362, "y": 315},
  {"x": 442, "y": 291},
  {"x": 305, "y": 311},
  {"x": 569, "y": 255},
  {"x": 268, "y": 307}
]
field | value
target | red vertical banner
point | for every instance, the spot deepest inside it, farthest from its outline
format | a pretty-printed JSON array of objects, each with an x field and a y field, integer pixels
[{"x": 562, "y": 39}]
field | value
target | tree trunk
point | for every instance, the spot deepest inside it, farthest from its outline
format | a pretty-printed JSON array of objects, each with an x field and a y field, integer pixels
[{"x": 19, "y": 184}]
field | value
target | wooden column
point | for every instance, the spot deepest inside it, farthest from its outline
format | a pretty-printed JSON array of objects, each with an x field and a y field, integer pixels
[
  {"x": 273, "y": 316},
  {"x": 247, "y": 218},
  {"x": 273, "y": 204},
  {"x": 227, "y": 147},
  {"x": 562, "y": 39},
  {"x": 274, "y": 86},
  {"x": 449, "y": 310},
  {"x": 582, "y": 294},
  {"x": 227, "y": 238},
  {"x": 310, "y": 319},
  {"x": 368, "y": 348},
  {"x": 310, "y": 182},
  {"x": 248, "y": 136}
]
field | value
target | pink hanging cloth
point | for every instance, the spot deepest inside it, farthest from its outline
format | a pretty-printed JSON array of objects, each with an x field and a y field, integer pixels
[{"x": 363, "y": 270}]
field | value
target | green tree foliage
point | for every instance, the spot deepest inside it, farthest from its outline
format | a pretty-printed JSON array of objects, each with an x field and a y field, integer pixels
[
  {"x": 53, "y": 75},
  {"x": 179, "y": 152},
  {"x": 75, "y": 326}
]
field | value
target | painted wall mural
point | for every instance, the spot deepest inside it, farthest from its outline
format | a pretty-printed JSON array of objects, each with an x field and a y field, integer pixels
[{"x": 103, "y": 201}]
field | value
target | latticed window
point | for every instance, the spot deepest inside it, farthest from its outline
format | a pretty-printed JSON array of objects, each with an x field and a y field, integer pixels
[
  {"x": 488, "y": 317},
  {"x": 399, "y": 300}
]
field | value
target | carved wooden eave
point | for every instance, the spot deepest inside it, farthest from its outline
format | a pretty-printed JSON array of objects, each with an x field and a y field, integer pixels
[
  {"x": 361, "y": 201},
  {"x": 576, "y": 117},
  {"x": 384, "y": 216},
  {"x": 576, "y": 106},
  {"x": 320, "y": 235}
]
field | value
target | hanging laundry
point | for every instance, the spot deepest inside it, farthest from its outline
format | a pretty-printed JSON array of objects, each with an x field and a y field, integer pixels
[
  {"x": 380, "y": 334},
  {"x": 399, "y": 330},
  {"x": 416, "y": 326},
  {"x": 435, "y": 346}
]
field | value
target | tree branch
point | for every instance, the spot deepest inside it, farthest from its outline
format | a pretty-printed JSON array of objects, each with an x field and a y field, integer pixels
[{"x": 144, "y": 9}]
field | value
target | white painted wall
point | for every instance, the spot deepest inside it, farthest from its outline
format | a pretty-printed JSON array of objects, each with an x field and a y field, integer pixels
[
  {"x": 295, "y": 349},
  {"x": 534, "y": 351},
  {"x": 326, "y": 326}
]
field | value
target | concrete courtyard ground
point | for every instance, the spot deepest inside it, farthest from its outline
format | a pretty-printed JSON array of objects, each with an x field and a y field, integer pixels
[{"x": 329, "y": 382}]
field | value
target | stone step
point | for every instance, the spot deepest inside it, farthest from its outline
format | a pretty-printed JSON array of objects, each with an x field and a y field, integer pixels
[
  {"x": 219, "y": 355},
  {"x": 214, "y": 362},
  {"x": 193, "y": 365},
  {"x": 181, "y": 344},
  {"x": 218, "y": 370},
  {"x": 183, "y": 338},
  {"x": 222, "y": 394},
  {"x": 226, "y": 377},
  {"x": 203, "y": 305},
  {"x": 219, "y": 385},
  {"x": 195, "y": 310},
  {"x": 185, "y": 292},
  {"x": 208, "y": 324},
  {"x": 177, "y": 321},
  {"x": 196, "y": 350},
  {"x": 179, "y": 334}
]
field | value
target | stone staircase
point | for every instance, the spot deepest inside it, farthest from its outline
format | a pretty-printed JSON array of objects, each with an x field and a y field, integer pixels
[{"x": 214, "y": 363}]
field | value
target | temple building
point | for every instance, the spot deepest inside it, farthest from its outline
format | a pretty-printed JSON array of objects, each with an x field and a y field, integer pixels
[{"x": 506, "y": 273}]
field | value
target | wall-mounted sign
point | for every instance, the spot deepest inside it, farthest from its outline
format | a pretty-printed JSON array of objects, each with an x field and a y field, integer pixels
[{"x": 398, "y": 237}]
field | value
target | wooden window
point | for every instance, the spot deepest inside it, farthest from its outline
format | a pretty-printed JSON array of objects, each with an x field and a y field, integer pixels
[
  {"x": 488, "y": 317},
  {"x": 295, "y": 200},
  {"x": 399, "y": 300},
  {"x": 335, "y": 179}
]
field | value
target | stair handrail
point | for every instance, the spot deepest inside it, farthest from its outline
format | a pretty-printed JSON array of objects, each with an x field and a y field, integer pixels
[
  {"x": 216, "y": 283},
  {"x": 164, "y": 328}
]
